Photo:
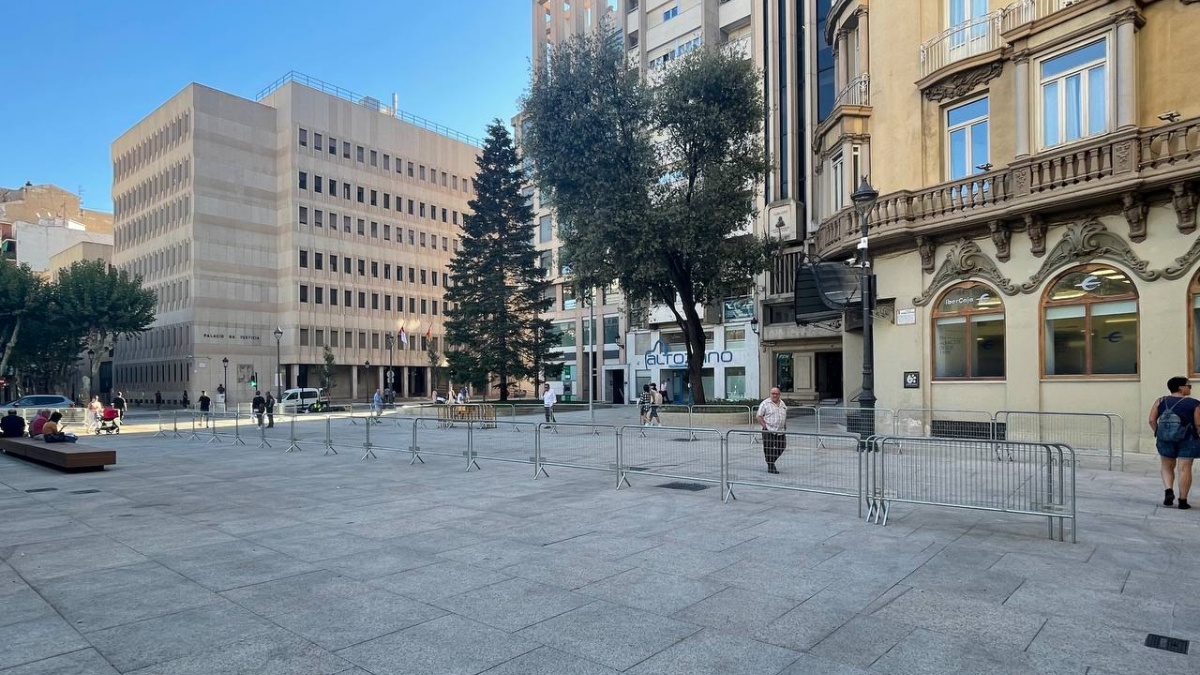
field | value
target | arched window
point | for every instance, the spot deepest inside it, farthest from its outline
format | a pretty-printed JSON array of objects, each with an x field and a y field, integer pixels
[
  {"x": 1091, "y": 323},
  {"x": 1194, "y": 322},
  {"x": 968, "y": 333}
]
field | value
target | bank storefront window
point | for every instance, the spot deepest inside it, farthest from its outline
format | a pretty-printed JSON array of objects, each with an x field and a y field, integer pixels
[
  {"x": 1194, "y": 317},
  {"x": 968, "y": 333},
  {"x": 735, "y": 383},
  {"x": 1091, "y": 323}
]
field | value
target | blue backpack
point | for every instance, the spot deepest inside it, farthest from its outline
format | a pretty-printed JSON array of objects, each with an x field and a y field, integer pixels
[{"x": 1170, "y": 427}]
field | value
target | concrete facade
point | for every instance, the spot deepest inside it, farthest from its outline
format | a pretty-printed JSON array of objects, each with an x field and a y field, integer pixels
[
  {"x": 312, "y": 210},
  {"x": 1045, "y": 200},
  {"x": 32, "y": 203}
]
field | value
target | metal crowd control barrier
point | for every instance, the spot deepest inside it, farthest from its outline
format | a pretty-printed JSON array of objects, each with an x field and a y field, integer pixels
[
  {"x": 1039, "y": 480},
  {"x": 1092, "y": 434},
  {"x": 451, "y": 414},
  {"x": 865, "y": 422},
  {"x": 502, "y": 441},
  {"x": 830, "y": 464},
  {"x": 671, "y": 452},
  {"x": 576, "y": 446},
  {"x": 939, "y": 423}
]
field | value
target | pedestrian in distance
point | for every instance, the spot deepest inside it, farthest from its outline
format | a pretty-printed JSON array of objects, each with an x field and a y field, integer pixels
[
  {"x": 118, "y": 402},
  {"x": 158, "y": 400},
  {"x": 772, "y": 417},
  {"x": 259, "y": 405},
  {"x": 269, "y": 407},
  {"x": 93, "y": 413},
  {"x": 1174, "y": 419},
  {"x": 187, "y": 402},
  {"x": 549, "y": 398},
  {"x": 655, "y": 401},
  {"x": 644, "y": 405},
  {"x": 377, "y": 404},
  {"x": 205, "y": 403}
]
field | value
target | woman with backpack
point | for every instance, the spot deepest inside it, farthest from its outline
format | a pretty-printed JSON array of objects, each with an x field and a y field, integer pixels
[{"x": 1174, "y": 420}]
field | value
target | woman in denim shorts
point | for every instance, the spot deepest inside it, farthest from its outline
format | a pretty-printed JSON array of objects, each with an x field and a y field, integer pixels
[{"x": 1177, "y": 453}]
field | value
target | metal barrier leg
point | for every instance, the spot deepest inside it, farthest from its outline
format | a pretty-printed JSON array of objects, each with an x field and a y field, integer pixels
[
  {"x": 414, "y": 448},
  {"x": 175, "y": 425},
  {"x": 193, "y": 436},
  {"x": 293, "y": 447},
  {"x": 538, "y": 469},
  {"x": 237, "y": 429},
  {"x": 162, "y": 430},
  {"x": 214, "y": 438},
  {"x": 726, "y": 486},
  {"x": 328, "y": 437},
  {"x": 469, "y": 453},
  {"x": 368, "y": 449},
  {"x": 262, "y": 433},
  {"x": 622, "y": 479}
]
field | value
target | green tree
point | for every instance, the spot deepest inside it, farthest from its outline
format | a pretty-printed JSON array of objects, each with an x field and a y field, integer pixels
[
  {"x": 328, "y": 371},
  {"x": 653, "y": 188},
  {"x": 22, "y": 295},
  {"x": 499, "y": 292},
  {"x": 103, "y": 303}
]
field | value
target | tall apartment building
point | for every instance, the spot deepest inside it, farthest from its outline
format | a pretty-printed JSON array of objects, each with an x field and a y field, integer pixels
[
  {"x": 645, "y": 346},
  {"x": 1037, "y": 163},
  {"x": 310, "y": 211}
]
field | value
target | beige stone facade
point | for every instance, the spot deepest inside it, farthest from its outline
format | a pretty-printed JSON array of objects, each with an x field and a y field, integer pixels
[
  {"x": 1034, "y": 239},
  {"x": 32, "y": 203},
  {"x": 311, "y": 209}
]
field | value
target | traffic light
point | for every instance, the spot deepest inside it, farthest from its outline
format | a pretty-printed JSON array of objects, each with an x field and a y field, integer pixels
[{"x": 254, "y": 381}]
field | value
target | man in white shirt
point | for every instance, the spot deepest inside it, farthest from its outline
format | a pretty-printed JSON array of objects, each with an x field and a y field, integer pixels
[
  {"x": 772, "y": 417},
  {"x": 548, "y": 400}
]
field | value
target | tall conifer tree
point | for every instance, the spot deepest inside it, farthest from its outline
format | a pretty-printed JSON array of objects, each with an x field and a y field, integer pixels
[{"x": 494, "y": 326}]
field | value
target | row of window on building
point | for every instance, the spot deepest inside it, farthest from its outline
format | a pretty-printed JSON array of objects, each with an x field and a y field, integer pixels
[
  {"x": 317, "y": 295},
  {"x": 336, "y": 339},
  {"x": 370, "y": 196},
  {"x": 318, "y": 260},
  {"x": 168, "y": 216},
  {"x": 1089, "y": 318},
  {"x": 364, "y": 228},
  {"x": 153, "y": 146},
  {"x": 371, "y": 157},
  {"x": 153, "y": 188}
]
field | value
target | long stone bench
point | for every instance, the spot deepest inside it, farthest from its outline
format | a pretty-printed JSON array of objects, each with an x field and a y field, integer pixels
[{"x": 65, "y": 456}]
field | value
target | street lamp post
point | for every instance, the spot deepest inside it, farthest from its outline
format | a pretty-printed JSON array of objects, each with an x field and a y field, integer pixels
[
  {"x": 591, "y": 300},
  {"x": 225, "y": 384},
  {"x": 278, "y": 364},
  {"x": 91, "y": 356},
  {"x": 389, "y": 343},
  {"x": 864, "y": 200},
  {"x": 366, "y": 378}
]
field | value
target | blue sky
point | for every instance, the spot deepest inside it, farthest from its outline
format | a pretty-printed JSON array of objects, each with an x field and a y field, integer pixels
[{"x": 78, "y": 74}]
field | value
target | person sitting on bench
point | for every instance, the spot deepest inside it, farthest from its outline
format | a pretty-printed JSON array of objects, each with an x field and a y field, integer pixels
[
  {"x": 12, "y": 425},
  {"x": 35, "y": 427},
  {"x": 51, "y": 432}
]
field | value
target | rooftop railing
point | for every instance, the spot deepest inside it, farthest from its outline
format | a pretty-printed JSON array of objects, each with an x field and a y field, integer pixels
[{"x": 365, "y": 101}]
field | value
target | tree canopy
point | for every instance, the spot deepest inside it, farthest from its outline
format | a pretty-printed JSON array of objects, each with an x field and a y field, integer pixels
[
  {"x": 45, "y": 327},
  {"x": 493, "y": 326},
  {"x": 652, "y": 187}
]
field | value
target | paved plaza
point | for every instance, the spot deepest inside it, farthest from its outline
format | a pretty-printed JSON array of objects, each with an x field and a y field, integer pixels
[{"x": 192, "y": 557}]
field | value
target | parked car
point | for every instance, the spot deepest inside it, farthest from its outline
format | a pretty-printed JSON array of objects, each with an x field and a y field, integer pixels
[
  {"x": 39, "y": 401},
  {"x": 302, "y": 400}
]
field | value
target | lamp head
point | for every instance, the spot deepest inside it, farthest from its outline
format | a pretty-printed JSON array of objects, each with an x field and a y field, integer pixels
[
  {"x": 225, "y": 362},
  {"x": 864, "y": 197},
  {"x": 754, "y": 325},
  {"x": 278, "y": 332}
]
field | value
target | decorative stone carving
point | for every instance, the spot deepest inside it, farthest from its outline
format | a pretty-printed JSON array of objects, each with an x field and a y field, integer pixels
[
  {"x": 1002, "y": 238},
  {"x": 1035, "y": 227},
  {"x": 1021, "y": 181},
  {"x": 1085, "y": 241},
  {"x": 1123, "y": 157},
  {"x": 963, "y": 83},
  {"x": 1183, "y": 264},
  {"x": 1184, "y": 201},
  {"x": 926, "y": 248},
  {"x": 1135, "y": 211},
  {"x": 963, "y": 261}
]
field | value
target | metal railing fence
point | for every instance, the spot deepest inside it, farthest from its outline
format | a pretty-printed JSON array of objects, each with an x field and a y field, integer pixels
[
  {"x": 1036, "y": 479},
  {"x": 829, "y": 464}
]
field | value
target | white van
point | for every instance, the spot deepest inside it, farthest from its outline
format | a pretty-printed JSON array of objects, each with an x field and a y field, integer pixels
[{"x": 301, "y": 400}]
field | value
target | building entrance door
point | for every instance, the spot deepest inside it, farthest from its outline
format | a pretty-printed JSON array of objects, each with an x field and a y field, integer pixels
[{"x": 829, "y": 375}]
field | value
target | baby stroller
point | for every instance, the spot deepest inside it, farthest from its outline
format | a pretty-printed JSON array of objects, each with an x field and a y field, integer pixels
[{"x": 108, "y": 421}]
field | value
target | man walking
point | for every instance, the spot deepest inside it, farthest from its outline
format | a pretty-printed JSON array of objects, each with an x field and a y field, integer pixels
[
  {"x": 549, "y": 398},
  {"x": 259, "y": 404},
  {"x": 772, "y": 417},
  {"x": 269, "y": 406},
  {"x": 1174, "y": 419},
  {"x": 377, "y": 404},
  {"x": 204, "y": 402},
  {"x": 118, "y": 402},
  {"x": 655, "y": 401}
]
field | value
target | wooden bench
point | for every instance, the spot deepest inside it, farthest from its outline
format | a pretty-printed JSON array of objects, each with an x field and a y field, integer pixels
[{"x": 65, "y": 456}]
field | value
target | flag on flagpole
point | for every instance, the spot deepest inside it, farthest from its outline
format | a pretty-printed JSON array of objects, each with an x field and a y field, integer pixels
[
  {"x": 429, "y": 332},
  {"x": 403, "y": 337}
]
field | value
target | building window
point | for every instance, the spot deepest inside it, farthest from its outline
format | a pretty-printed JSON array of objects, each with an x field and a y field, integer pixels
[
  {"x": 303, "y": 215},
  {"x": 303, "y": 259},
  {"x": 319, "y": 218},
  {"x": 332, "y": 188},
  {"x": 545, "y": 229},
  {"x": 303, "y": 337},
  {"x": 347, "y": 301},
  {"x": 387, "y": 162},
  {"x": 303, "y": 293},
  {"x": 362, "y": 300},
  {"x": 333, "y": 338},
  {"x": 433, "y": 276},
  {"x": 333, "y": 297},
  {"x": 333, "y": 146},
  {"x": 361, "y": 194},
  {"x": 303, "y": 180},
  {"x": 374, "y": 301},
  {"x": 318, "y": 184},
  {"x": 967, "y": 139},
  {"x": 346, "y": 224},
  {"x": 1194, "y": 318},
  {"x": 374, "y": 230},
  {"x": 424, "y": 306},
  {"x": 374, "y": 198},
  {"x": 374, "y": 269},
  {"x": 346, "y": 266},
  {"x": 1074, "y": 94},
  {"x": 410, "y": 171},
  {"x": 358, "y": 153},
  {"x": 362, "y": 340},
  {"x": 671, "y": 13},
  {"x": 333, "y": 260},
  {"x": 422, "y": 172},
  {"x": 345, "y": 150},
  {"x": 374, "y": 158},
  {"x": 387, "y": 303},
  {"x": 318, "y": 261},
  {"x": 735, "y": 338},
  {"x": 387, "y": 200},
  {"x": 423, "y": 277},
  {"x": 362, "y": 267},
  {"x": 1091, "y": 323},
  {"x": 319, "y": 295},
  {"x": 387, "y": 232},
  {"x": 968, "y": 333},
  {"x": 735, "y": 383},
  {"x": 837, "y": 184},
  {"x": 362, "y": 226},
  {"x": 304, "y": 138},
  {"x": 612, "y": 330}
]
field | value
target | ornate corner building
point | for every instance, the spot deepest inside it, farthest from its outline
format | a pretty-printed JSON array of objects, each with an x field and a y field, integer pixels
[{"x": 1037, "y": 163}]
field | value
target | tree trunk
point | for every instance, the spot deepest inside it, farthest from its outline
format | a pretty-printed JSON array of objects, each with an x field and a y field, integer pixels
[
  {"x": 12, "y": 344},
  {"x": 693, "y": 335}
]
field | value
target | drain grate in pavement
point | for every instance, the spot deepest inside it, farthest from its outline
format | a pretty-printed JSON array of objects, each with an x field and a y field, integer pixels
[
  {"x": 690, "y": 487},
  {"x": 1169, "y": 644},
  {"x": 84, "y": 492},
  {"x": 43, "y": 490}
]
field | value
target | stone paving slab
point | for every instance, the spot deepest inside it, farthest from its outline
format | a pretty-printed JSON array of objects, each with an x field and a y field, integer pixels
[{"x": 210, "y": 558}]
